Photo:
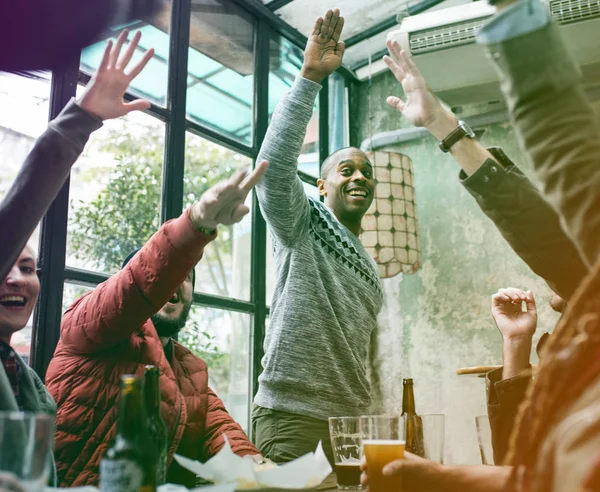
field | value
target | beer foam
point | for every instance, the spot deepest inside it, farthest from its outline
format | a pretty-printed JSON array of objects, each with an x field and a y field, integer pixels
[{"x": 384, "y": 442}]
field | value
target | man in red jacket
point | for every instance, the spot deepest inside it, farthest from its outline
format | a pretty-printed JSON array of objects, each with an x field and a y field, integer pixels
[{"x": 126, "y": 323}]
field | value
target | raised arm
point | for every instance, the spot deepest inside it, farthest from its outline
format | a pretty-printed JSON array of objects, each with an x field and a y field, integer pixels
[
  {"x": 515, "y": 205},
  {"x": 281, "y": 194},
  {"x": 554, "y": 121},
  {"x": 120, "y": 306},
  {"x": 47, "y": 166}
]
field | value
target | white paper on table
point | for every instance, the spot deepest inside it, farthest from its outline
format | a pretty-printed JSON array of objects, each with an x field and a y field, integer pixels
[
  {"x": 225, "y": 467},
  {"x": 169, "y": 487}
]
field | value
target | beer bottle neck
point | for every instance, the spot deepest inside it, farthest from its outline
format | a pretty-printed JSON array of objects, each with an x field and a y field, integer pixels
[
  {"x": 408, "y": 399},
  {"x": 152, "y": 394},
  {"x": 130, "y": 420}
]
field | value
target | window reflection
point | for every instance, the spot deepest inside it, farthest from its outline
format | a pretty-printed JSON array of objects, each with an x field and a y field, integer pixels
[{"x": 220, "y": 85}]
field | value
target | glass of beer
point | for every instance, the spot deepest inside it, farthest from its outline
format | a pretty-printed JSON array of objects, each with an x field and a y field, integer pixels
[
  {"x": 383, "y": 442},
  {"x": 484, "y": 438},
  {"x": 346, "y": 442}
]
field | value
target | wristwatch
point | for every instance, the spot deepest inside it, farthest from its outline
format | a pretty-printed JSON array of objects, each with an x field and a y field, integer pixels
[{"x": 462, "y": 130}]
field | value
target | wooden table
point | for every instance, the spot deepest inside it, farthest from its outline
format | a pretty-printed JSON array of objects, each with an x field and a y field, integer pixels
[{"x": 330, "y": 483}]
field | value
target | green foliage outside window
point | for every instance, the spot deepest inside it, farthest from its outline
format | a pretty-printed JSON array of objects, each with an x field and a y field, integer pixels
[{"x": 126, "y": 212}]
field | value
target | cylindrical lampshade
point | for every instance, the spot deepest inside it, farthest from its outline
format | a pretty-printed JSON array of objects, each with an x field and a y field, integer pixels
[{"x": 390, "y": 229}]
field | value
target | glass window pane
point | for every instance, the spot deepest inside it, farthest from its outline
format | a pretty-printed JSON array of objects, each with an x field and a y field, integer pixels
[
  {"x": 151, "y": 84},
  {"x": 225, "y": 267},
  {"x": 115, "y": 193},
  {"x": 285, "y": 63},
  {"x": 222, "y": 339},
  {"x": 311, "y": 191},
  {"x": 220, "y": 82},
  {"x": 24, "y": 117},
  {"x": 72, "y": 292}
]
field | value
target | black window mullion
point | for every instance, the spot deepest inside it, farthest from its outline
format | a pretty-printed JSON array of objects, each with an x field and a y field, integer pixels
[
  {"x": 258, "y": 273},
  {"x": 53, "y": 242},
  {"x": 174, "y": 167}
]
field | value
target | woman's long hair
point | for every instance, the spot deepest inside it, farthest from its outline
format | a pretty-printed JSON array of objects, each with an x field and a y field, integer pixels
[{"x": 569, "y": 363}]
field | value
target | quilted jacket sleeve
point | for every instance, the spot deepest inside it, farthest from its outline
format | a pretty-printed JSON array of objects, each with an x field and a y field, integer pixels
[
  {"x": 120, "y": 306},
  {"x": 219, "y": 422}
]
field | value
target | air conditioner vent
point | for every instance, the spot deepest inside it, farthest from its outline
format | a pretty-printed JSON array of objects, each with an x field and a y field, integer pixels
[
  {"x": 569, "y": 11},
  {"x": 448, "y": 36}
]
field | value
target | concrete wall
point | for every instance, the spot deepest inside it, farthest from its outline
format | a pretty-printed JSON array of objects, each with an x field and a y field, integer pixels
[{"x": 439, "y": 319}]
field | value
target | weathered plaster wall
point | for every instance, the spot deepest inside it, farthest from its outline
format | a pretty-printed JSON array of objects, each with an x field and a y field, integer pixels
[{"x": 439, "y": 319}]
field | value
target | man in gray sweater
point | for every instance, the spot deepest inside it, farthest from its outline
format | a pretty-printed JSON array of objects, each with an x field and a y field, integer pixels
[{"x": 328, "y": 293}]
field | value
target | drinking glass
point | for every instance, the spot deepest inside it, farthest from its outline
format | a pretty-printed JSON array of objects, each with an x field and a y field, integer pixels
[
  {"x": 433, "y": 436},
  {"x": 484, "y": 437},
  {"x": 383, "y": 442},
  {"x": 25, "y": 446},
  {"x": 346, "y": 442}
]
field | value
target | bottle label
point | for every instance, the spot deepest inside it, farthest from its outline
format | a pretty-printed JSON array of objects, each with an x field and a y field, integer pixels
[
  {"x": 120, "y": 476},
  {"x": 161, "y": 469}
]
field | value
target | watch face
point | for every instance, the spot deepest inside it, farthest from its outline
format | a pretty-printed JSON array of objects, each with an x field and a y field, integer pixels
[{"x": 467, "y": 129}]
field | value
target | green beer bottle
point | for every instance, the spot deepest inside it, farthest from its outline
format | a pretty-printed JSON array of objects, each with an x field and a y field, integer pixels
[
  {"x": 414, "y": 423},
  {"x": 157, "y": 430},
  {"x": 128, "y": 465}
]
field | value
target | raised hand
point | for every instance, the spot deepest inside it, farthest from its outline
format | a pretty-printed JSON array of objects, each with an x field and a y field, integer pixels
[
  {"x": 324, "y": 50},
  {"x": 421, "y": 107},
  {"x": 224, "y": 203},
  {"x": 103, "y": 96},
  {"x": 512, "y": 322}
]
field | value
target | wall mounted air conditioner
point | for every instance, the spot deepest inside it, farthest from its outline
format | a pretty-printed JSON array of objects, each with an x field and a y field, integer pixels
[{"x": 442, "y": 44}]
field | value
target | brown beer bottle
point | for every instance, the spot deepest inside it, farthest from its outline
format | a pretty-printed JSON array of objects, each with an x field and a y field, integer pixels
[
  {"x": 128, "y": 465},
  {"x": 157, "y": 430},
  {"x": 414, "y": 424}
]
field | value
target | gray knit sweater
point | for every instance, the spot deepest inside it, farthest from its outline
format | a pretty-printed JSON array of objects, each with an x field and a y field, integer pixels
[{"x": 327, "y": 294}]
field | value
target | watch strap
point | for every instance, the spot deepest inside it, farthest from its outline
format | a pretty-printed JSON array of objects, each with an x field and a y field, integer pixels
[{"x": 450, "y": 140}]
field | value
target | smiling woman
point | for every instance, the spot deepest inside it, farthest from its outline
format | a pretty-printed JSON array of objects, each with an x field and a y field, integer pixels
[{"x": 18, "y": 295}]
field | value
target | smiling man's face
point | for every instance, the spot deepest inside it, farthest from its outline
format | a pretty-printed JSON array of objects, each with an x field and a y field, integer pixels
[
  {"x": 348, "y": 183},
  {"x": 18, "y": 295},
  {"x": 174, "y": 314}
]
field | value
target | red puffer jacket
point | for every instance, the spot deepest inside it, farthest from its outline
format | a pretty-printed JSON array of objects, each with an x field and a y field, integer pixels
[{"x": 107, "y": 333}]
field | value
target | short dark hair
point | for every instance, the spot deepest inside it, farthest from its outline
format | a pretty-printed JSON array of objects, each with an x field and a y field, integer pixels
[{"x": 330, "y": 161}]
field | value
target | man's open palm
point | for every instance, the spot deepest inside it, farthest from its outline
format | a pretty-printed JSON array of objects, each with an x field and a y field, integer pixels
[
  {"x": 324, "y": 51},
  {"x": 420, "y": 106}
]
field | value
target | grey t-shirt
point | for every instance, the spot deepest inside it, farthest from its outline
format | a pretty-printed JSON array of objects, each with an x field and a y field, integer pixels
[{"x": 327, "y": 293}]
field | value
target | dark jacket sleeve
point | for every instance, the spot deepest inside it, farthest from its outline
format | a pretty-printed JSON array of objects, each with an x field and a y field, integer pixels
[
  {"x": 503, "y": 400},
  {"x": 42, "y": 175},
  {"x": 527, "y": 221},
  {"x": 557, "y": 127}
]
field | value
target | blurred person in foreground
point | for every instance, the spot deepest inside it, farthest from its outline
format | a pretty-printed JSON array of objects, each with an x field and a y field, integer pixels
[
  {"x": 555, "y": 445},
  {"x": 327, "y": 293}
]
